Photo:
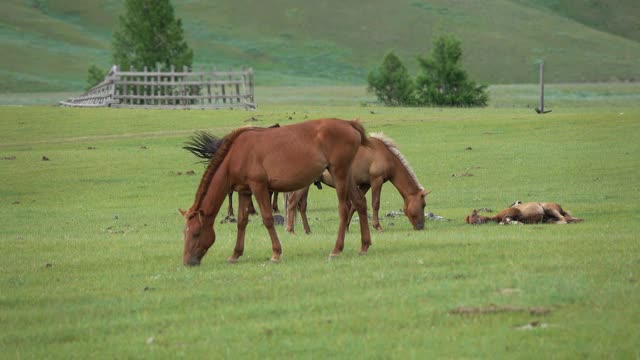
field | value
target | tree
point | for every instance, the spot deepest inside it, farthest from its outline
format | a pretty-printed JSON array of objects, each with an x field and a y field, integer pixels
[
  {"x": 391, "y": 82},
  {"x": 149, "y": 35},
  {"x": 443, "y": 82},
  {"x": 95, "y": 76}
]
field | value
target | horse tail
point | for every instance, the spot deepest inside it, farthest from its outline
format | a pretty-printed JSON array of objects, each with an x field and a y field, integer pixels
[
  {"x": 203, "y": 145},
  {"x": 364, "y": 140}
]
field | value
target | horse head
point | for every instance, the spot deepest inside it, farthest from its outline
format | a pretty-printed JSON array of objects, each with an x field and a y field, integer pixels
[
  {"x": 198, "y": 236},
  {"x": 475, "y": 219},
  {"x": 414, "y": 208}
]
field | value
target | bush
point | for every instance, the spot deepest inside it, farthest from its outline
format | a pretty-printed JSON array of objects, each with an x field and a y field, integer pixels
[
  {"x": 443, "y": 82},
  {"x": 391, "y": 82},
  {"x": 95, "y": 76}
]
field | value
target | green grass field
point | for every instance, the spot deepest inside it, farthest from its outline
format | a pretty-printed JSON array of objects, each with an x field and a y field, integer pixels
[{"x": 91, "y": 240}]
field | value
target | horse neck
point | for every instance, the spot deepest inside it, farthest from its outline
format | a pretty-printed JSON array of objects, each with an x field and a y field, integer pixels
[
  {"x": 211, "y": 201},
  {"x": 403, "y": 180}
]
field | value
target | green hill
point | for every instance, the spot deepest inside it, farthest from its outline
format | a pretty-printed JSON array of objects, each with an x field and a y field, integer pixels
[{"x": 48, "y": 45}]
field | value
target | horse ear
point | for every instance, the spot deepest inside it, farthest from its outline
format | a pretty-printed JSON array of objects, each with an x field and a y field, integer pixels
[
  {"x": 182, "y": 212},
  {"x": 475, "y": 212}
]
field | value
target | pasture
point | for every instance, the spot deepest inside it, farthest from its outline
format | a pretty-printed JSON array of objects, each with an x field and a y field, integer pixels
[{"x": 91, "y": 239}]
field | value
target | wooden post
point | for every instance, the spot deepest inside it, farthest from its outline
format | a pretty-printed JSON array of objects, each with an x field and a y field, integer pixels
[
  {"x": 251, "y": 85},
  {"x": 238, "y": 100},
  {"x": 224, "y": 98},
  {"x": 540, "y": 109},
  {"x": 215, "y": 85},
  {"x": 186, "y": 89},
  {"x": 173, "y": 85},
  {"x": 542, "y": 87},
  {"x": 157, "y": 94}
]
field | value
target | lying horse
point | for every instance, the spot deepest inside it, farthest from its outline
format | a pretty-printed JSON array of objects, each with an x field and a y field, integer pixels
[
  {"x": 373, "y": 165},
  {"x": 526, "y": 213},
  {"x": 256, "y": 160}
]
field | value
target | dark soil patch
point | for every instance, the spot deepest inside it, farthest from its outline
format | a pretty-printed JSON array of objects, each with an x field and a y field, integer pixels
[{"x": 495, "y": 309}]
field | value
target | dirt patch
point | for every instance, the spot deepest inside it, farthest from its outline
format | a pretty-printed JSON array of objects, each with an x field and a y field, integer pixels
[
  {"x": 464, "y": 174},
  {"x": 509, "y": 291},
  {"x": 8, "y": 158},
  {"x": 532, "y": 325},
  {"x": 496, "y": 309},
  {"x": 188, "y": 173}
]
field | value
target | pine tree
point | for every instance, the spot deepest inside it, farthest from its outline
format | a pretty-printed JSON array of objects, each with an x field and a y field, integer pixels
[
  {"x": 391, "y": 82},
  {"x": 443, "y": 82},
  {"x": 149, "y": 35}
]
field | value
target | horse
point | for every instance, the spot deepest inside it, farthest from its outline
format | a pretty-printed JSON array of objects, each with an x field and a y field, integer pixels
[
  {"x": 373, "y": 165},
  {"x": 526, "y": 213},
  {"x": 254, "y": 160}
]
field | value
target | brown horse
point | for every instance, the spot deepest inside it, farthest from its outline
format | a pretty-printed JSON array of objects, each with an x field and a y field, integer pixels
[
  {"x": 256, "y": 160},
  {"x": 373, "y": 165},
  {"x": 526, "y": 213}
]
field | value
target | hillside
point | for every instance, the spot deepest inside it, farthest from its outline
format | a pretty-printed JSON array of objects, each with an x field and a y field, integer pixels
[{"x": 48, "y": 45}]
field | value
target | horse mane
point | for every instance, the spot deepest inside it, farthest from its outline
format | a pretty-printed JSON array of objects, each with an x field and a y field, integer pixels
[
  {"x": 391, "y": 145},
  {"x": 203, "y": 145},
  {"x": 216, "y": 159}
]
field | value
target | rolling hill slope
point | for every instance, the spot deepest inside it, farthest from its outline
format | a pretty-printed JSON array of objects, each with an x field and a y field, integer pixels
[{"x": 48, "y": 45}]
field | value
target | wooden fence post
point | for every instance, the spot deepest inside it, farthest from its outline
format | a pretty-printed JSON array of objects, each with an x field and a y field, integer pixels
[{"x": 540, "y": 109}]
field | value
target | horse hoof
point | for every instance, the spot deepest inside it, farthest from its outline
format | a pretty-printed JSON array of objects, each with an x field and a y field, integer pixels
[
  {"x": 275, "y": 260},
  {"x": 232, "y": 260},
  {"x": 362, "y": 253},
  {"x": 333, "y": 256}
]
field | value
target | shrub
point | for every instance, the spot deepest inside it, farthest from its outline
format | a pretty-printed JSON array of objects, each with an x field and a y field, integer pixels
[
  {"x": 443, "y": 82},
  {"x": 95, "y": 76},
  {"x": 391, "y": 82}
]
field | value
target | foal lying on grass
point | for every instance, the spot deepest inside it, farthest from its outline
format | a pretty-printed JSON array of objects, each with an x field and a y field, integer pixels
[{"x": 526, "y": 213}]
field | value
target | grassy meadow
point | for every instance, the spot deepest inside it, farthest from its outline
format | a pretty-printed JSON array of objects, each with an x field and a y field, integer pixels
[{"x": 91, "y": 239}]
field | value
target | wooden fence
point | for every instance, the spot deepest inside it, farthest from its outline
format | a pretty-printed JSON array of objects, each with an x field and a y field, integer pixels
[{"x": 170, "y": 90}]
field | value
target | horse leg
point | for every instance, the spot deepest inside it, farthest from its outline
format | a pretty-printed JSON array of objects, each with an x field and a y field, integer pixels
[
  {"x": 274, "y": 202},
  {"x": 292, "y": 205},
  {"x": 347, "y": 190},
  {"x": 261, "y": 194},
  {"x": 360, "y": 202},
  {"x": 252, "y": 209},
  {"x": 243, "y": 219},
  {"x": 230, "y": 207},
  {"x": 556, "y": 214},
  {"x": 302, "y": 207},
  {"x": 342, "y": 190},
  {"x": 352, "y": 209},
  {"x": 376, "y": 190}
]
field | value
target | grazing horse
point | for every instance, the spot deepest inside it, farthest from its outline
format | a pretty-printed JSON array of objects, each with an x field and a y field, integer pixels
[
  {"x": 526, "y": 213},
  {"x": 255, "y": 160},
  {"x": 373, "y": 165}
]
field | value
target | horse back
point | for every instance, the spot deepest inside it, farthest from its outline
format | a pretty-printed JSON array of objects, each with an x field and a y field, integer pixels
[{"x": 293, "y": 156}]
